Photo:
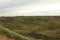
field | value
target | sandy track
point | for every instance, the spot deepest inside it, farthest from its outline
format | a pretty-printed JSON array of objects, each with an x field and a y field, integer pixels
[{"x": 4, "y": 37}]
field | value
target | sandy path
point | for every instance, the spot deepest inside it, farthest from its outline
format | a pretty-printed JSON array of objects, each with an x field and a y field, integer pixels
[{"x": 4, "y": 37}]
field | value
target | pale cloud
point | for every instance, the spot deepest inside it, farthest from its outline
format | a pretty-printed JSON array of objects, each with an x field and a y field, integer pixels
[{"x": 29, "y": 7}]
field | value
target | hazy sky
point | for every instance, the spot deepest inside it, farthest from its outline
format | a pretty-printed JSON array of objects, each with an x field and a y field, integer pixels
[{"x": 29, "y": 7}]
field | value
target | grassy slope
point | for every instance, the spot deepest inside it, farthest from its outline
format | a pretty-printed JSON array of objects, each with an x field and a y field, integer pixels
[
  {"x": 33, "y": 26},
  {"x": 13, "y": 34}
]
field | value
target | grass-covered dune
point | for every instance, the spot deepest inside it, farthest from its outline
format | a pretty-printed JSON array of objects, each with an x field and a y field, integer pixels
[
  {"x": 12, "y": 34},
  {"x": 34, "y": 26}
]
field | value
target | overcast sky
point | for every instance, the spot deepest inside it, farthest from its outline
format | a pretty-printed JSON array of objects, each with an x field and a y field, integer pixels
[{"x": 29, "y": 7}]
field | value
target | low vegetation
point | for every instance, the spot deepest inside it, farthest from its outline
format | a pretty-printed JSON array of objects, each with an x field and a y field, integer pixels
[
  {"x": 13, "y": 34},
  {"x": 38, "y": 27}
]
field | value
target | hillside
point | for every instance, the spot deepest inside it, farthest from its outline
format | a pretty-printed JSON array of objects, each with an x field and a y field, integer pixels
[{"x": 38, "y": 27}]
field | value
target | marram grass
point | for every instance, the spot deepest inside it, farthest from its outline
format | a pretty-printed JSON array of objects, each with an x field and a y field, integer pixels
[{"x": 13, "y": 34}]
